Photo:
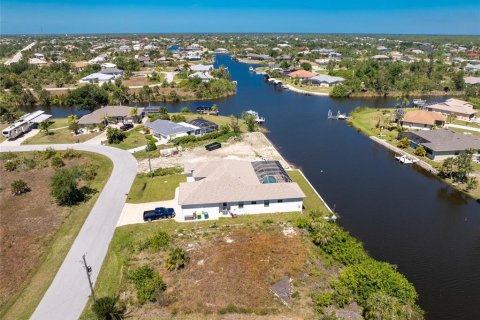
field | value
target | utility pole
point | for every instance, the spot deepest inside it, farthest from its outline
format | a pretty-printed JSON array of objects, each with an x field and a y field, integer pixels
[
  {"x": 88, "y": 269},
  {"x": 148, "y": 155}
]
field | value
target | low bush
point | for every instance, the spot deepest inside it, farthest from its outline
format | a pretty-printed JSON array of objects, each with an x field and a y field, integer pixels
[
  {"x": 184, "y": 140},
  {"x": 105, "y": 308},
  {"x": 158, "y": 241},
  {"x": 10, "y": 165},
  {"x": 148, "y": 283},
  {"x": 177, "y": 258},
  {"x": 57, "y": 162},
  {"x": 89, "y": 171},
  {"x": 71, "y": 154},
  {"x": 19, "y": 187},
  {"x": 161, "y": 172},
  {"x": 115, "y": 136}
]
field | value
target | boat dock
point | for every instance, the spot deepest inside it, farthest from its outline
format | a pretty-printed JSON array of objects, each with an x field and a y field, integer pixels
[{"x": 401, "y": 152}]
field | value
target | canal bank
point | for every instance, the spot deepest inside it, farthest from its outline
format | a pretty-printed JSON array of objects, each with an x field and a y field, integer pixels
[{"x": 402, "y": 214}]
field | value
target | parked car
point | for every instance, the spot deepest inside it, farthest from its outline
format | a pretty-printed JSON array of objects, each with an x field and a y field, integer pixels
[
  {"x": 213, "y": 146},
  {"x": 126, "y": 126},
  {"x": 158, "y": 213}
]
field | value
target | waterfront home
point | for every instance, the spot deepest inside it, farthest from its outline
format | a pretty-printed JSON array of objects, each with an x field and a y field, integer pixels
[
  {"x": 204, "y": 125},
  {"x": 201, "y": 67},
  {"x": 472, "y": 68},
  {"x": 221, "y": 51},
  {"x": 166, "y": 130},
  {"x": 97, "y": 77},
  {"x": 472, "y": 80},
  {"x": 461, "y": 109},
  {"x": 263, "y": 57},
  {"x": 442, "y": 143},
  {"x": 235, "y": 187},
  {"x": 301, "y": 74},
  {"x": 324, "y": 80},
  {"x": 205, "y": 76},
  {"x": 110, "y": 114},
  {"x": 423, "y": 120}
]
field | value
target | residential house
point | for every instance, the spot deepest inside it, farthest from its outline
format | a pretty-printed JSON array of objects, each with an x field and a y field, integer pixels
[
  {"x": 205, "y": 125},
  {"x": 443, "y": 143},
  {"x": 222, "y": 187},
  {"x": 97, "y": 77},
  {"x": 166, "y": 130},
  {"x": 324, "y": 80},
  {"x": 301, "y": 74},
  {"x": 423, "y": 120},
  {"x": 106, "y": 65},
  {"x": 472, "y": 80},
  {"x": 472, "y": 68},
  {"x": 201, "y": 67},
  {"x": 262, "y": 57},
  {"x": 110, "y": 114},
  {"x": 115, "y": 72},
  {"x": 204, "y": 76},
  {"x": 381, "y": 57},
  {"x": 221, "y": 51},
  {"x": 461, "y": 109}
]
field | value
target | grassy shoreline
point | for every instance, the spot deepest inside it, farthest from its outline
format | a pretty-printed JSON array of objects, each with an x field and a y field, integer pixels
[
  {"x": 23, "y": 303},
  {"x": 364, "y": 120}
]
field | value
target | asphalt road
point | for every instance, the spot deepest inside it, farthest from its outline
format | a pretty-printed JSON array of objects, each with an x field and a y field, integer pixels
[
  {"x": 17, "y": 56},
  {"x": 68, "y": 293}
]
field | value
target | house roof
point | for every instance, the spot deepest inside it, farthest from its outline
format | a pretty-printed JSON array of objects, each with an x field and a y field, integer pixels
[
  {"x": 453, "y": 106},
  {"x": 98, "y": 115},
  {"x": 231, "y": 180},
  {"x": 445, "y": 140},
  {"x": 111, "y": 71},
  {"x": 201, "y": 67},
  {"x": 80, "y": 64},
  {"x": 326, "y": 78},
  {"x": 202, "y": 123},
  {"x": 301, "y": 74},
  {"x": 201, "y": 75},
  {"x": 472, "y": 80},
  {"x": 98, "y": 76},
  {"x": 423, "y": 117},
  {"x": 167, "y": 128}
]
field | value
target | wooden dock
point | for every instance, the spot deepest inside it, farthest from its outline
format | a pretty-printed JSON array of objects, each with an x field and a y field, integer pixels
[{"x": 401, "y": 152}]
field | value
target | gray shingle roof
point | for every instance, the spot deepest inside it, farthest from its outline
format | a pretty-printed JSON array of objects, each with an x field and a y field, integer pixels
[
  {"x": 167, "y": 128},
  {"x": 445, "y": 140}
]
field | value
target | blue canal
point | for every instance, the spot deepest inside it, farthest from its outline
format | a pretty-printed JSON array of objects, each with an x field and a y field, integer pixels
[{"x": 402, "y": 214}]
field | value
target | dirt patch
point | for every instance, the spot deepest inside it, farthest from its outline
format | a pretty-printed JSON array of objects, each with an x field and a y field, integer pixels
[
  {"x": 231, "y": 270},
  {"x": 253, "y": 146},
  {"x": 27, "y": 224}
]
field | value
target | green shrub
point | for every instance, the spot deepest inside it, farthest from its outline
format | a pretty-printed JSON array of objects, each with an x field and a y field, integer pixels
[
  {"x": 340, "y": 91},
  {"x": 420, "y": 151},
  {"x": 161, "y": 172},
  {"x": 371, "y": 276},
  {"x": 115, "y": 136},
  {"x": 19, "y": 187},
  {"x": 151, "y": 146},
  {"x": 105, "y": 308},
  {"x": 56, "y": 162},
  {"x": 147, "y": 282},
  {"x": 64, "y": 187},
  {"x": 322, "y": 300},
  {"x": 184, "y": 140},
  {"x": 224, "y": 129},
  {"x": 89, "y": 171},
  {"x": 177, "y": 118},
  {"x": 48, "y": 153},
  {"x": 71, "y": 154},
  {"x": 403, "y": 143},
  {"x": 8, "y": 155},
  {"x": 29, "y": 163},
  {"x": 10, "y": 165},
  {"x": 159, "y": 241},
  {"x": 177, "y": 258}
]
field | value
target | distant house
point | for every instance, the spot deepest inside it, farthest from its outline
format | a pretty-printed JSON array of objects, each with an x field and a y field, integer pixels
[
  {"x": 462, "y": 109},
  {"x": 37, "y": 61},
  {"x": 201, "y": 67},
  {"x": 167, "y": 130},
  {"x": 221, "y": 51},
  {"x": 106, "y": 65},
  {"x": 423, "y": 120},
  {"x": 143, "y": 60},
  {"x": 204, "y": 76},
  {"x": 222, "y": 187},
  {"x": 115, "y": 72},
  {"x": 97, "y": 77},
  {"x": 472, "y": 67},
  {"x": 324, "y": 80},
  {"x": 262, "y": 57},
  {"x": 381, "y": 57},
  {"x": 205, "y": 125},
  {"x": 301, "y": 74},
  {"x": 98, "y": 59},
  {"x": 472, "y": 80},
  {"x": 441, "y": 144},
  {"x": 108, "y": 114}
]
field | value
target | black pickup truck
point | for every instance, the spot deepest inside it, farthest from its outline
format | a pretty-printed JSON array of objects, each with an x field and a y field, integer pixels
[{"x": 158, "y": 213}]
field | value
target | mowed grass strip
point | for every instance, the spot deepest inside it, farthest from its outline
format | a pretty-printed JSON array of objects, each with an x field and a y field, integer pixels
[
  {"x": 59, "y": 136},
  {"x": 22, "y": 305},
  {"x": 135, "y": 138},
  {"x": 149, "y": 189},
  {"x": 312, "y": 201}
]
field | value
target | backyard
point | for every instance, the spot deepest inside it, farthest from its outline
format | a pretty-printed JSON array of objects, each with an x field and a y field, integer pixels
[{"x": 150, "y": 189}]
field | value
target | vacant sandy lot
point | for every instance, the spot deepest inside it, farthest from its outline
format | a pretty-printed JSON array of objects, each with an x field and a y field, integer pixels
[{"x": 254, "y": 146}]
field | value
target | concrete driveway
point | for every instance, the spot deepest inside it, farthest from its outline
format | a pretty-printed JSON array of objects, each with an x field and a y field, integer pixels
[
  {"x": 20, "y": 139},
  {"x": 132, "y": 213},
  {"x": 69, "y": 291}
]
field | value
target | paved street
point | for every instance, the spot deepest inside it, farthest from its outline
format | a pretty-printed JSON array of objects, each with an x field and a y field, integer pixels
[
  {"x": 18, "y": 55},
  {"x": 68, "y": 294}
]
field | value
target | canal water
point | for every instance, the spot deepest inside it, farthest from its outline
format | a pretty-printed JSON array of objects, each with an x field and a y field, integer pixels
[{"x": 403, "y": 215}]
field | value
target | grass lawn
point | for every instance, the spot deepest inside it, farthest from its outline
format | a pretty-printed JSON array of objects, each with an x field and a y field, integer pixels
[
  {"x": 308, "y": 88},
  {"x": 58, "y": 123},
  {"x": 366, "y": 120},
  {"x": 142, "y": 155},
  {"x": 59, "y": 136},
  {"x": 135, "y": 138},
  {"x": 22, "y": 304},
  {"x": 466, "y": 123},
  {"x": 312, "y": 201},
  {"x": 147, "y": 189}
]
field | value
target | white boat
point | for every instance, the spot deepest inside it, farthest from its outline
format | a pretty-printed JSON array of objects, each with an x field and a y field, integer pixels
[
  {"x": 406, "y": 159},
  {"x": 255, "y": 115},
  {"x": 251, "y": 69},
  {"x": 419, "y": 102},
  {"x": 339, "y": 116}
]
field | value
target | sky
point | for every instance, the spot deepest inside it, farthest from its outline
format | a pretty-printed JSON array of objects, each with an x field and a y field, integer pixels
[{"x": 292, "y": 16}]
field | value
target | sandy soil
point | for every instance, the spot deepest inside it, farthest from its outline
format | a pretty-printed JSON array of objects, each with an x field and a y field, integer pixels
[{"x": 254, "y": 146}]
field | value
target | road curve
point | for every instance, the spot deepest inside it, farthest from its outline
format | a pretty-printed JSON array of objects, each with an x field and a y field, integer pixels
[{"x": 69, "y": 291}]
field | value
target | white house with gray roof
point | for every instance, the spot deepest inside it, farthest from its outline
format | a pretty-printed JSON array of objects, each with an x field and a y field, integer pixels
[
  {"x": 224, "y": 187},
  {"x": 166, "y": 130},
  {"x": 324, "y": 80}
]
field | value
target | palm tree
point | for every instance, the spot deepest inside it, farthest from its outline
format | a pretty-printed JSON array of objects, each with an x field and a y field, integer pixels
[{"x": 72, "y": 118}]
